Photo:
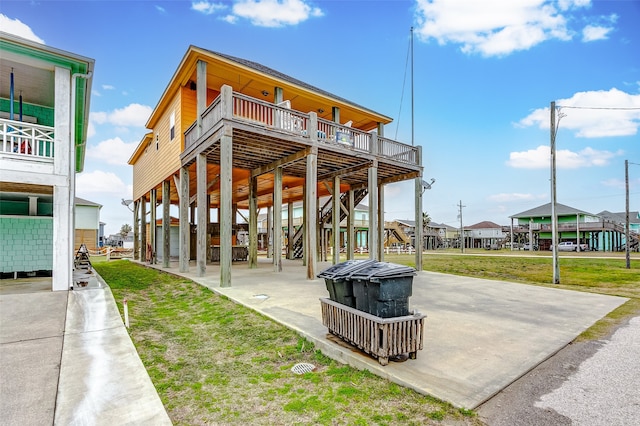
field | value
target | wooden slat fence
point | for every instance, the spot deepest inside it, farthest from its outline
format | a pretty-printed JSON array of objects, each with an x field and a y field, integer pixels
[{"x": 380, "y": 337}]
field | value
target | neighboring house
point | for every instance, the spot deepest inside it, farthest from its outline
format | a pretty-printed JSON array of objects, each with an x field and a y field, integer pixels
[
  {"x": 487, "y": 235},
  {"x": 87, "y": 224},
  {"x": 101, "y": 237},
  {"x": 448, "y": 236},
  {"x": 399, "y": 233},
  {"x": 230, "y": 134},
  {"x": 42, "y": 147},
  {"x": 360, "y": 224},
  {"x": 619, "y": 220},
  {"x": 574, "y": 225}
]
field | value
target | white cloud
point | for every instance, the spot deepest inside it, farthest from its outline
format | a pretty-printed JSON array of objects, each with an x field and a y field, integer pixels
[
  {"x": 112, "y": 151},
  {"x": 540, "y": 158},
  {"x": 262, "y": 13},
  {"x": 620, "y": 184},
  {"x": 231, "y": 19},
  {"x": 17, "y": 27},
  {"x": 495, "y": 27},
  {"x": 133, "y": 115},
  {"x": 108, "y": 87},
  {"x": 515, "y": 196},
  {"x": 618, "y": 120},
  {"x": 206, "y": 7},
  {"x": 595, "y": 32},
  {"x": 275, "y": 13},
  {"x": 89, "y": 183}
]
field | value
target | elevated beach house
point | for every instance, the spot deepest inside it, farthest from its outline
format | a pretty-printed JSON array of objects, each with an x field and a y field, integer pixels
[
  {"x": 233, "y": 135},
  {"x": 44, "y": 111}
]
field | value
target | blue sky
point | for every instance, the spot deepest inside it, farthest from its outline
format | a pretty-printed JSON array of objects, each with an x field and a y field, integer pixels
[{"x": 484, "y": 76}]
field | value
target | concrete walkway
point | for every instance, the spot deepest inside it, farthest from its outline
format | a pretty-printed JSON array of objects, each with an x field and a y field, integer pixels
[
  {"x": 67, "y": 359},
  {"x": 481, "y": 335}
]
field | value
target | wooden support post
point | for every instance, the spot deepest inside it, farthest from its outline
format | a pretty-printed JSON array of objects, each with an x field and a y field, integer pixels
[
  {"x": 269, "y": 232},
  {"x": 143, "y": 229},
  {"x": 351, "y": 237},
  {"x": 153, "y": 225},
  {"x": 277, "y": 219},
  {"x": 136, "y": 230},
  {"x": 201, "y": 93},
  {"x": 201, "y": 191},
  {"x": 185, "y": 225},
  {"x": 290, "y": 230},
  {"x": 335, "y": 220},
  {"x": 381, "y": 222},
  {"x": 305, "y": 249},
  {"x": 208, "y": 221},
  {"x": 310, "y": 220},
  {"x": 278, "y": 95},
  {"x": 373, "y": 237},
  {"x": 253, "y": 222},
  {"x": 225, "y": 212},
  {"x": 166, "y": 223},
  {"x": 418, "y": 212}
]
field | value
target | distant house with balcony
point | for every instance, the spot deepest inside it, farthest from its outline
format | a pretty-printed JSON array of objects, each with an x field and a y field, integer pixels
[
  {"x": 44, "y": 113},
  {"x": 486, "y": 234},
  {"x": 360, "y": 229},
  {"x": 603, "y": 232},
  {"x": 233, "y": 135}
]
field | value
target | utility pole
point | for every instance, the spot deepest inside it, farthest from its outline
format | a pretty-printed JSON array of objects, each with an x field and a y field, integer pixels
[
  {"x": 460, "y": 206},
  {"x": 554, "y": 216},
  {"x": 626, "y": 228}
]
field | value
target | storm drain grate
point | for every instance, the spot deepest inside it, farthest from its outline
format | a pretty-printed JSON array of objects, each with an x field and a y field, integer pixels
[{"x": 302, "y": 368}]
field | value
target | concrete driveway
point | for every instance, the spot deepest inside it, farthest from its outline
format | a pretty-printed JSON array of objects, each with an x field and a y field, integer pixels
[{"x": 481, "y": 335}]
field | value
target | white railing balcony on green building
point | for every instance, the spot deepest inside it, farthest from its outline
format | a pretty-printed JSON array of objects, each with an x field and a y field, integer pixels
[{"x": 25, "y": 140}]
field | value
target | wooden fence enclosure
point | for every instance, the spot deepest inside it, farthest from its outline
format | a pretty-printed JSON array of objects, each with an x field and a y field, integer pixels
[{"x": 380, "y": 337}]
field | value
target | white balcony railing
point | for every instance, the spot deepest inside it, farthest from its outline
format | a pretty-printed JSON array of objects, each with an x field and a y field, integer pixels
[
  {"x": 281, "y": 118},
  {"x": 26, "y": 139}
]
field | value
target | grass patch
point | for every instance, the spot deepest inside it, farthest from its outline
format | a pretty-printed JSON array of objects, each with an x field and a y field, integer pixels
[
  {"x": 216, "y": 362},
  {"x": 583, "y": 272}
]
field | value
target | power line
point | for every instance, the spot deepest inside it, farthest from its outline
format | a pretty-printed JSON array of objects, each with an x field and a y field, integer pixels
[
  {"x": 605, "y": 108},
  {"x": 404, "y": 80}
]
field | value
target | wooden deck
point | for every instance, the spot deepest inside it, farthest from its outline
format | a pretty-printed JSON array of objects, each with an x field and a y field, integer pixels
[{"x": 266, "y": 136}]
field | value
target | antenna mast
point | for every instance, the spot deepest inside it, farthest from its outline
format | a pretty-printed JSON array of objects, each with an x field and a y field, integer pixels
[{"x": 412, "y": 141}]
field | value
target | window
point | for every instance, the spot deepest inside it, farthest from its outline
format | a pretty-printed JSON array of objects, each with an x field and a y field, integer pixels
[{"x": 172, "y": 126}]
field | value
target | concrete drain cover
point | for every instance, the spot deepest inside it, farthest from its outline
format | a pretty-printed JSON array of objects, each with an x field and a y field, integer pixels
[{"x": 302, "y": 368}]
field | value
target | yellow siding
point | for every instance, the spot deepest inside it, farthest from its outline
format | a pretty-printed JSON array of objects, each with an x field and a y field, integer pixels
[
  {"x": 155, "y": 165},
  {"x": 188, "y": 111}
]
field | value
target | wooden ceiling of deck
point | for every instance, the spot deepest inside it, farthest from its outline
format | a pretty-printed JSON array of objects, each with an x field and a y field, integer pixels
[{"x": 255, "y": 149}]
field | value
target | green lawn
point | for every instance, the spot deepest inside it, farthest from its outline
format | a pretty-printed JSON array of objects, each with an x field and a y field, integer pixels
[{"x": 216, "y": 362}]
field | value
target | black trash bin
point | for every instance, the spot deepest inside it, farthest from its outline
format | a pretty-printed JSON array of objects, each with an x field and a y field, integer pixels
[
  {"x": 338, "y": 282},
  {"x": 383, "y": 289}
]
